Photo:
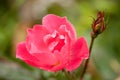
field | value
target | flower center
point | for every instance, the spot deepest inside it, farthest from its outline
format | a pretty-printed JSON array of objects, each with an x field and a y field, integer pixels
[{"x": 54, "y": 41}]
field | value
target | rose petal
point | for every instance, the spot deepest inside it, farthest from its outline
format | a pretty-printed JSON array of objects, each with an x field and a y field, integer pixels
[
  {"x": 74, "y": 64},
  {"x": 53, "y": 22},
  {"x": 63, "y": 56},
  {"x": 79, "y": 52},
  {"x": 50, "y": 62},
  {"x": 23, "y": 54},
  {"x": 35, "y": 42},
  {"x": 62, "y": 60},
  {"x": 46, "y": 58},
  {"x": 39, "y": 60},
  {"x": 80, "y": 49}
]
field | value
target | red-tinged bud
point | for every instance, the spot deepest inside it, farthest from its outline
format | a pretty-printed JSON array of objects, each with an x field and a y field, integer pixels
[{"x": 98, "y": 25}]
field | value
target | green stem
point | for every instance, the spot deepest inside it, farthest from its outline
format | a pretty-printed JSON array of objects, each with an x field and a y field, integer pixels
[
  {"x": 87, "y": 61},
  {"x": 67, "y": 75},
  {"x": 74, "y": 76}
]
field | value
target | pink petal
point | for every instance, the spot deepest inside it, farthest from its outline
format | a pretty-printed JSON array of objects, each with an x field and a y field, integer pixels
[
  {"x": 62, "y": 56},
  {"x": 35, "y": 42},
  {"x": 79, "y": 52},
  {"x": 64, "y": 53},
  {"x": 58, "y": 67},
  {"x": 42, "y": 61},
  {"x": 54, "y": 41},
  {"x": 23, "y": 54},
  {"x": 50, "y": 62},
  {"x": 62, "y": 61},
  {"x": 46, "y": 59},
  {"x": 53, "y": 22}
]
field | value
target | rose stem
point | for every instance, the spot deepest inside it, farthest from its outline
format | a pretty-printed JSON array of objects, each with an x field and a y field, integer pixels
[
  {"x": 67, "y": 75},
  {"x": 74, "y": 76},
  {"x": 87, "y": 61}
]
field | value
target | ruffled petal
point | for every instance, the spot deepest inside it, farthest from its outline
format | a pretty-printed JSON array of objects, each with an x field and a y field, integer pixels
[
  {"x": 63, "y": 57},
  {"x": 46, "y": 58},
  {"x": 53, "y": 22},
  {"x": 34, "y": 40},
  {"x": 79, "y": 52},
  {"x": 23, "y": 54},
  {"x": 50, "y": 62},
  {"x": 43, "y": 61}
]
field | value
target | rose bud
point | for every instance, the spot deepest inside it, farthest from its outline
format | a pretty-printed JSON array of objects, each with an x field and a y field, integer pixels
[{"x": 98, "y": 25}]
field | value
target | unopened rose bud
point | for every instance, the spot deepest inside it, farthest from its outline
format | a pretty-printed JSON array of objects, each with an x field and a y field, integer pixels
[{"x": 98, "y": 25}]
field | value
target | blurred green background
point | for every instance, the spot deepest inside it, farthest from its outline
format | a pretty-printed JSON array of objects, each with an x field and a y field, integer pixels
[{"x": 17, "y": 15}]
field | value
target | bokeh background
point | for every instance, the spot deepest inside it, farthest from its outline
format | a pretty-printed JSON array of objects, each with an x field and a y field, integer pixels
[{"x": 18, "y": 15}]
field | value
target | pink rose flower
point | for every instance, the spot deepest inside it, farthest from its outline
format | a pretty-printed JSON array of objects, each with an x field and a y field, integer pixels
[{"x": 53, "y": 46}]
